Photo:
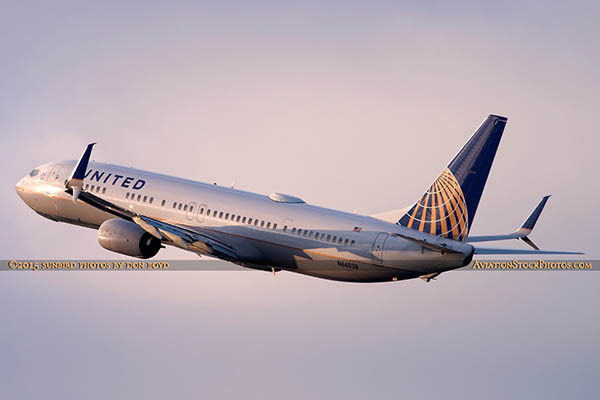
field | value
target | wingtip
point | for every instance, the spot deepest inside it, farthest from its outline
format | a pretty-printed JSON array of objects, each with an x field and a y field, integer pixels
[
  {"x": 78, "y": 173},
  {"x": 533, "y": 217}
]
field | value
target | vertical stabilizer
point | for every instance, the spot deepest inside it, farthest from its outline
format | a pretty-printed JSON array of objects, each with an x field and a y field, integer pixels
[{"x": 449, "y": 205}]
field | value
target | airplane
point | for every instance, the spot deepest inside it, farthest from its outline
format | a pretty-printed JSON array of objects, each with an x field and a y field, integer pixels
[{"x": 138, "y": 212}]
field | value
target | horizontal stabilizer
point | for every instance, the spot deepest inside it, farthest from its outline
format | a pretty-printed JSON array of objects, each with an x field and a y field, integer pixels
[{"x": 492, "y": 251}]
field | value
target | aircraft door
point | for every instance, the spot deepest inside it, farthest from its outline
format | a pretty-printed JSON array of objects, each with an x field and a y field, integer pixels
[
  {"x": 191, "y": 210},
  {"x": 201, "y": 212},
  {"x": 377, "y": 251}
]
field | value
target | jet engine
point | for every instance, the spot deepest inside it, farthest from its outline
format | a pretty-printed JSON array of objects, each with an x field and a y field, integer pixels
[{"x": 125, "y": 237}]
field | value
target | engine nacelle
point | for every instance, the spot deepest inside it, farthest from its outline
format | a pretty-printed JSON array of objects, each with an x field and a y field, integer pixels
[{"x": 125, "y": 237}]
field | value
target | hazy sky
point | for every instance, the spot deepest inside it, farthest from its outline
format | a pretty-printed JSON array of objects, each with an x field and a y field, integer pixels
[{"x": 350, "y": 105}]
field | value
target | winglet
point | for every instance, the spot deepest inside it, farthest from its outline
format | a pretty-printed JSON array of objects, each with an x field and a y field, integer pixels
[
  {"x": 530, "y": 223},
  {"x": 75, "y": 181},
  {"x": 532, "y": 219},
  {"x": 520, "y": 233}
]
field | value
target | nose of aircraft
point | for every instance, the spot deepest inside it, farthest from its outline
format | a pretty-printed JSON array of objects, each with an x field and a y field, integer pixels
[
  {"x": 19, "y": 187},
  {"x": 29, "y": 190},
  {"x": 26, "y": 184}
]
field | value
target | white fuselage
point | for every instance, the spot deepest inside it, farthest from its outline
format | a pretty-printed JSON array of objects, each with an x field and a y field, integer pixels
[{"x": 268, "y": 234}]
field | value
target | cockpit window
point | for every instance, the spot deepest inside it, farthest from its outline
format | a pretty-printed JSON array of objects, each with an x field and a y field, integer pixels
[{"x": 34, "y": 172}]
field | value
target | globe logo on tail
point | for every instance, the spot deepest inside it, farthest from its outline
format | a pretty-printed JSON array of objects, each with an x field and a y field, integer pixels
[{"x": 442, "y": 210}]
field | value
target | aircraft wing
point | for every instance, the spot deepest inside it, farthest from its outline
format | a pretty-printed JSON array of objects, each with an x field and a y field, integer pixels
[
  {"x": 520, "y": 233},
  {"x": 189, "y": 238}
]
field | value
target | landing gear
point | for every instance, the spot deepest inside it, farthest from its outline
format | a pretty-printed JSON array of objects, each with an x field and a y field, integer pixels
[{"x": 429, "y": 277}]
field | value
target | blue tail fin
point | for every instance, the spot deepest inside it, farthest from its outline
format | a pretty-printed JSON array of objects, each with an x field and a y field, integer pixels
[{"x": 448, "y": 207}]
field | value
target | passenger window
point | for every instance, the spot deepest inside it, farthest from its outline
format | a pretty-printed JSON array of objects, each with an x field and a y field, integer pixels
[
  {"x": 244, "y": 220},
  {"x": 221, "y": 214},
  {"x": 334, "y": 239},
  {"x": 162, "y": 204},
  {"x": 285, "y": 228},
  {"x": 179, "y": 206},
  {"x": 255, "y": 222},
  {"x": 305, "y": 233},
  {"x": 274, "y": 226},
  {"x": 208, "y": 212},
  {"x": 262, "y": 224},
  {"x": 92, "y": 188},
  {"x": 145, "y": 198},
  {"x": 227, "y": 216},
  {"x": 293, "y": 230},
  {"x": 238, "y": 219},
  {"x": 191, "y": 208},
  {"x": 352, "y": 243},
  {"x": 202, "y": 211},
  {"x": 268, "y": 225},
  {"x": 340, "y": 240},
  {"x": 232, "y": 217},
  {"x": 139, "y": 197},
  {"x": 103, "y": 190},
  {"x": 310, "y": 235},
  {"x": 346, "y": 242},
  {"x": 87, "y": 185},
  {"x": 185, "y": 207},
  {"x": 329, "y": 238},
  {"x": 214, "y": 213},
  {"x": 151, "y": 200},
  {"x": 127, "y": 195},
  {"x": 299, "y": 232},
  {"x": 174, "y": 204},
  {"x": 249, "y": 221}
]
